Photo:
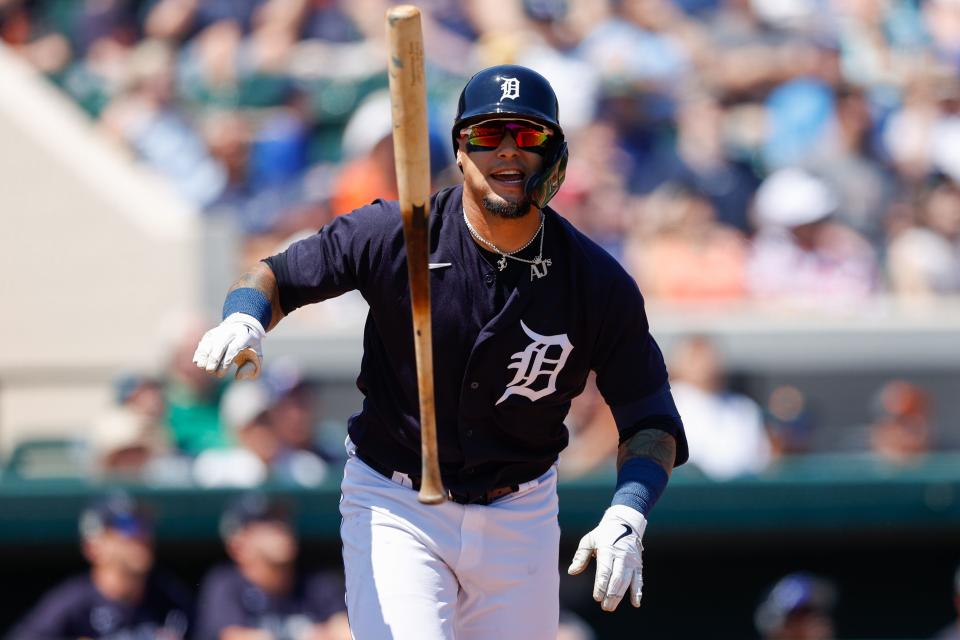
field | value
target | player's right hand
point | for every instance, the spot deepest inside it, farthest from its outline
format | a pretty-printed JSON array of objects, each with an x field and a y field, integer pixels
[{"x": 220, "y": 345}]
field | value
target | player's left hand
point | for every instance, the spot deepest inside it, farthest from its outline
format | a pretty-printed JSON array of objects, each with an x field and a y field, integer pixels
[{"x": 616, "y": 544}]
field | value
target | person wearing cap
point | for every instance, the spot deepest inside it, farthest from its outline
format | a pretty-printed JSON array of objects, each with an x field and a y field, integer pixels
[
  {"x": 126, "y": 437},
  {"x": 244, "y": 413},
  {"x": 259, "y": 454},
  {"x": 122, "y": 595},
  {"x": 798, "y": 607},
  {"x": 799, "y": 252},
  {"x": 952, "y": 631},
  {"x": 123, "y": 443},
  {"x": 262, "y": 593}
]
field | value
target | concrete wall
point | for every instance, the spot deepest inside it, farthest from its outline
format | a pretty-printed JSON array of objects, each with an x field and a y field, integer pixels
[{"x": 94, "y": 253}]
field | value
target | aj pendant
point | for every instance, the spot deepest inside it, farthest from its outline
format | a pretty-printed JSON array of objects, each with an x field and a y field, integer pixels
[
  {"x": 502, "y": 263},
  {"x": 539, "y": 268}
]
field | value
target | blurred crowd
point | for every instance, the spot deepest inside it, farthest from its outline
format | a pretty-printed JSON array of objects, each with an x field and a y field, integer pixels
[
  {"x": 801, "y": 152},
  {"x": 186, "y": 426},
  {"x": 180, "y": 426},
  {"x": 732, "y": 434},
  {"x": 721, "y": 149}
]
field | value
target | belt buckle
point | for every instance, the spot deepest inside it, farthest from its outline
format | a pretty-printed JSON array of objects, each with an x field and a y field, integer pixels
[{"x": 466, "y": 498}]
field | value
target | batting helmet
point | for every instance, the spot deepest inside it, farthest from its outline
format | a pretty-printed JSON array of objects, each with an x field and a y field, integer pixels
[{"x": 510, "y": 90}]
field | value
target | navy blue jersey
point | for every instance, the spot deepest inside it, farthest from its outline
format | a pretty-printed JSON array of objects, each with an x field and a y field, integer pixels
[
  {"x": 228, "y": 599},
  {"x": 506, "y": 367},
  {"x": 76, "y": 609}
]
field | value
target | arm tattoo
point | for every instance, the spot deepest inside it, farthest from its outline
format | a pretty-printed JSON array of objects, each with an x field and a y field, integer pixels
[
  {"x": 261, "y": 277},
  {"x": 654, "y": 444}
]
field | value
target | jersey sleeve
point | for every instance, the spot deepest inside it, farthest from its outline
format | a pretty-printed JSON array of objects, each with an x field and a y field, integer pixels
[
  {"x": 337, "y": 259},
  {"x": 631, "y": 374}
]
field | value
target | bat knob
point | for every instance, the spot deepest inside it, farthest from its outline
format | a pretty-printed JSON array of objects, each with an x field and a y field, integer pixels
[{"x": 248, "y": 364}]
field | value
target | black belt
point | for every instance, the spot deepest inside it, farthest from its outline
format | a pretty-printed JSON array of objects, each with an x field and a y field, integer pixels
[{"x": 453, "y": 496}]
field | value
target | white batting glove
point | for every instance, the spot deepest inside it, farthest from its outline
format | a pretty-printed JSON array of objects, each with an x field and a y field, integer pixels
[
  {"x": 220, "y": 345},
  {"x": 616, "y": 544}
]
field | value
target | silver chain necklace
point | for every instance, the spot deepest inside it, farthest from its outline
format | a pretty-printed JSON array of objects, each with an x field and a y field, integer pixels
[{"x": 538, "y": 266}]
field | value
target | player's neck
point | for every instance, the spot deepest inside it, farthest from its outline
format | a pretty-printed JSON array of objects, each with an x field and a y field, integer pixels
[{"x": 508, "y": 234}]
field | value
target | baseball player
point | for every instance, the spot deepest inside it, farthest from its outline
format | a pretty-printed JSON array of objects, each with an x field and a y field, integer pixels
[{"x": 524, "y": 306}]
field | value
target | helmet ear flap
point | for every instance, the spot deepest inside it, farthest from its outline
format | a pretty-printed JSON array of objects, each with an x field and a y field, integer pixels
[{"x": 543, "y": 185}]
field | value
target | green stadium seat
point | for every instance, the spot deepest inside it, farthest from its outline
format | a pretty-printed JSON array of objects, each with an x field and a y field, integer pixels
[{"x": 48, "y": 458}]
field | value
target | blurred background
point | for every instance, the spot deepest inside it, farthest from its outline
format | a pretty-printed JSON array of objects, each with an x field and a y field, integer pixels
[{"x": 782, "y": 178}]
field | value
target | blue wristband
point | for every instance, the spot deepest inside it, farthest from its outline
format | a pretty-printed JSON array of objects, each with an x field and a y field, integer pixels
[
  {"x": 251, "y": 302},
  {"x": 640, "y": 482}
]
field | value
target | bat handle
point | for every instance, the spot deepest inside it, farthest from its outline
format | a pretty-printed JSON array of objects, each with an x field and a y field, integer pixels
[{"x": 248, "y": 364}]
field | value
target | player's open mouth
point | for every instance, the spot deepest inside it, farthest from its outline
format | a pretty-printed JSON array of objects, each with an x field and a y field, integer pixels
[{"x": 508, "y": 176}]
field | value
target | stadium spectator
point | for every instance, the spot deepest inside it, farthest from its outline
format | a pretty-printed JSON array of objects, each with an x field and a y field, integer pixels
[
  {"x": 798, "y": 607},
  {"x": 595, "y": 194},
  {"x": 952, "y": 631},
  {"x": 704, "y": 160},
  {"x": 902, "y": 430},
  {"x": 727, "y": 436},
  {"x": 847, "y": 161},
  {"x": 368, "y": 172},
  {"x": 122, "y": 596},
  {"x": 259, "y": 454},
  {"x": 263, "y": 593},
  {"x": 687, "y": 254},
  {"x": 124, "y": 442},
  {"x": 149, "y": 120},
  {"x": 131, "y": 439},
  {"x": 924, "y": 259},
  {"x": 801, "y": 254},
  {"x": 244, "y": 412},
  {"x": 294, "y": 413},
  {"x": 192, "y": 397},
  {"x": 703, "y": 94},
  {"x": 142, "y": 394},
  {"x": 179, "y": 20},
  {"x": 789, "y": 422}
]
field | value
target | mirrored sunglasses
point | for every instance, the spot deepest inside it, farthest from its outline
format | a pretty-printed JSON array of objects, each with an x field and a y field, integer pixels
[{"x": 487, "y": 135}]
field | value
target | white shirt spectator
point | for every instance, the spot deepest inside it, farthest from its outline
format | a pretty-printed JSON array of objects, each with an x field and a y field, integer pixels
[{"x": 725, "y": 431}]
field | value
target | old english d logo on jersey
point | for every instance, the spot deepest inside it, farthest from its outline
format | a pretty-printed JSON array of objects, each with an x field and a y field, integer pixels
[
  {"x": 510, "y": 88},
  {"x": 535, "y": 362}
]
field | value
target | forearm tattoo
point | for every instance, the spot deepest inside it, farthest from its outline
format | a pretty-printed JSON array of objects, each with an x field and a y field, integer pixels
[
  {"x": 654, "y": 444},
  {"x": 261, "y": 277}
]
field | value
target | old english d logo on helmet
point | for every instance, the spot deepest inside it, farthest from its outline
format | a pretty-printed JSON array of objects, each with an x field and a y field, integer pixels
[{"x": 512, "y": 90}]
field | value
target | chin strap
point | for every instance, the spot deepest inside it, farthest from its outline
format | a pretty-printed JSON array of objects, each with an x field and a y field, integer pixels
[{"x": 542, "y": 186}]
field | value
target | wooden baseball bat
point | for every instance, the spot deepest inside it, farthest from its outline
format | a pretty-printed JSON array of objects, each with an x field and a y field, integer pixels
[
  {"x": 408, "y": 98},
  {"x": 248, "y": 364}
]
